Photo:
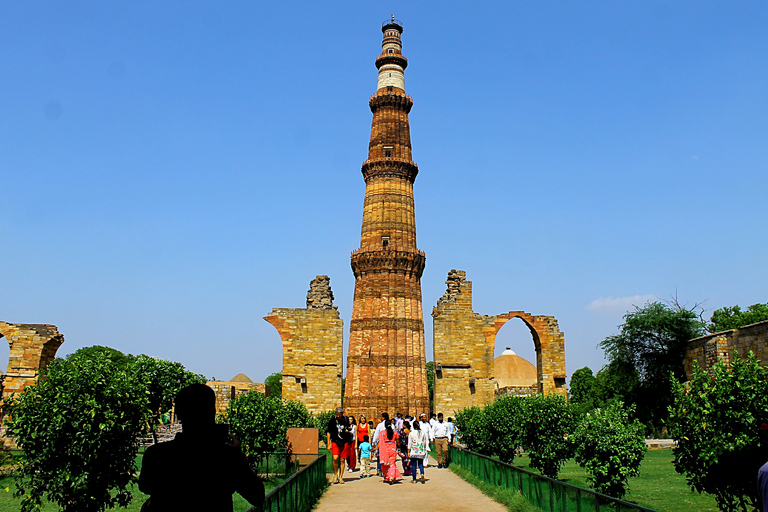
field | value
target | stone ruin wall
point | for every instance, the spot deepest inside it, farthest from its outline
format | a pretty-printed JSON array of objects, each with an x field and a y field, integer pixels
[
  {"x": 226, "y": 391},
  {"x": 463, "y": 349},
  {"x": 32, "y": 348},
  {"x": 312, "y": 349},
  {"x": 464, "y": 343},
  {"x": 706, "y": 350}
]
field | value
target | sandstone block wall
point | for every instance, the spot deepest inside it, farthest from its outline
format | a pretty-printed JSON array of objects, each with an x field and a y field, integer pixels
[
  {"x": 227, "y": 390},
  {"x": 463, "y": 349},
  {"x": 312, "y": 349},
  {"x": 720, "y": 345},
  {"x": 464, "y": 343},
  {"x": 33, "y": 347}
]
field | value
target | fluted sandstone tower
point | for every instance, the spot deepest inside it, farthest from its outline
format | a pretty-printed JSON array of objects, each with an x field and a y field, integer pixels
[{"x": 386, "y": 365}]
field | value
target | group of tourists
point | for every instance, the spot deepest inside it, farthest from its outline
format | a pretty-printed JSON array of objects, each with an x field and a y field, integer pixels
[{"x": 402, "y": 438}]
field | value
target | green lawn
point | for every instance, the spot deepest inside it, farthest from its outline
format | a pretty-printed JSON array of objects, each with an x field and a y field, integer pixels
[
  {"x": 658, "y": 486},
  {"x": 10, "y": 504}
]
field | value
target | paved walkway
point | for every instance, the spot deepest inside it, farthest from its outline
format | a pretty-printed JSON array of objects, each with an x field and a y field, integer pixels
[{"x": 443, "y": 491}]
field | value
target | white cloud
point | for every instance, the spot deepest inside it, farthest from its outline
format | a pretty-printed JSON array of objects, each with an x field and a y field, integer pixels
[{"x": 620, "y": 304}]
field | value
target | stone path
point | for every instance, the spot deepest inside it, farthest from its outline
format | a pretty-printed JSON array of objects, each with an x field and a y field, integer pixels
[{"x": 443, "y": 491}]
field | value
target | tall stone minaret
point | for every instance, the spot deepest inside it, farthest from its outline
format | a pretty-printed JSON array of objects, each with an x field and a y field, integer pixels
[{"x": 386, "y": 365}]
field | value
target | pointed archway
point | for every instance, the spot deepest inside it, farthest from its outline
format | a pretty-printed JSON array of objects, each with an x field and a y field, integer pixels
[{"x": 464, "y": 343}]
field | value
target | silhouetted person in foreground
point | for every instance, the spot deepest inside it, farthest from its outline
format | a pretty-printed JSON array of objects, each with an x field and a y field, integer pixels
[{"x": 202, "y": 467}]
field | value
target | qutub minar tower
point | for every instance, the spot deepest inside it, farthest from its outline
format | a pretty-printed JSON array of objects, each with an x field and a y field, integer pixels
[{"x": 386, "y": 364}]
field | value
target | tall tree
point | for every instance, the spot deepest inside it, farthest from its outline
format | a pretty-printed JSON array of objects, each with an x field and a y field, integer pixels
[
  {"x": 162, "y": 380},
  {"x": 726, "y": 318},
  {"x": 652, "y": 341},
  {"x": 275, "y": 384},
  {"x": 582, "y": 386}
]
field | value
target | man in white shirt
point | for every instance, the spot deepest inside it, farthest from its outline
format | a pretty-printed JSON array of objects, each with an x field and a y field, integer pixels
[
  {"x": 426, "y": 427},
  {"x": 442, "y": 433}
]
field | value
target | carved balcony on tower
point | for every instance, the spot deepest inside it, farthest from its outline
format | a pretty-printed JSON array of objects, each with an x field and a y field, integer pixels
[{"x": 388, "y": 260}]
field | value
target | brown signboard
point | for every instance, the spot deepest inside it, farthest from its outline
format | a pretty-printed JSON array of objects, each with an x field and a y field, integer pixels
[{"x": 303, "y": 444}]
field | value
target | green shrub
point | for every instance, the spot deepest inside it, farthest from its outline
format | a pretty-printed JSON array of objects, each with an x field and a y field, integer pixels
[
  {"x": 260, "y": 423},
  {"x": 503, "y": 421},
  {"x": 610, "y": 448},
  {"x": 470, "y": 423},
  {"x": 320, "y": 422},
  {"x": 547, "y": 424},
  {"x": 78, "y": 427},
  {"x": 720, "y": 423}
]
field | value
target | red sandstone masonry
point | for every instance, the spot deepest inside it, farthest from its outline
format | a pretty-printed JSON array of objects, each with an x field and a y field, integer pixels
[{"x": 386, "y": 365}]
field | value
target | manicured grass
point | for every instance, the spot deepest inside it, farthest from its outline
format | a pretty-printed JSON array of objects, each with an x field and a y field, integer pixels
[
  {"x": 10, "y": 504},
  {"x": 510, "y": 499},
  {"x": 658, "y": 486}
]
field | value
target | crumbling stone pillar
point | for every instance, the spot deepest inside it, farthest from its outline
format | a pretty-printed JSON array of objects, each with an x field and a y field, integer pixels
[
  {"x": 463, "y": 349},
  {"x": 33, "y": 347},
  {"x": 464, "y": 342},
  {"x": 312, "y": 348}
]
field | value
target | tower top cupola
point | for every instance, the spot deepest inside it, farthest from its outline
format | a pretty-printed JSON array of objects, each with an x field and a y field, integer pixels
[{"x": 391, "y": 63}]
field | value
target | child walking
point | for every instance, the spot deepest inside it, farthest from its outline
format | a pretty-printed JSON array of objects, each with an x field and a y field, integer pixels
[{"x": 365, "y": 457}]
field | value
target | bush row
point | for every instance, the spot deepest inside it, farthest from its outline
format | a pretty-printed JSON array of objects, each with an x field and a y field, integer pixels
[{"x": 604, "y": 441}]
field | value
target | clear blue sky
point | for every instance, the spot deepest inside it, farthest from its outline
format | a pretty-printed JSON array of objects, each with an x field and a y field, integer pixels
[{"x": 171, "y": 171}]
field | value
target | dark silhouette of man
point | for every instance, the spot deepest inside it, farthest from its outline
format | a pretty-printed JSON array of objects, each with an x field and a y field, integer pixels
[{"x": 202, "y": 467}]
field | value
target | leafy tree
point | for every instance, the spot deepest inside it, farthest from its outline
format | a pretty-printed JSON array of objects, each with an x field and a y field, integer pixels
[
  {"x": 114, "y": 355},
  {"x": 162, "y": 380},
  {"x": 547, "y": 423},
  {"x": 470, "y": 423},
  {"x": 618, "y": 381},
  {"x": 726, "y": 318},
  {"x": 610, "y": 448},
  {"x": 582, "y": 386},
  {"x": 503, "y": 421},
  {"x": 720, "y": 423},
  {"x": 260, "y": 422},
  {"x": 275, "y": 384},
  {"x": 320, "y": 421},
  {"x": 78, "y": 427},
  {"x": 431, "y": 384},
  {"x": 652, "y": 342}
]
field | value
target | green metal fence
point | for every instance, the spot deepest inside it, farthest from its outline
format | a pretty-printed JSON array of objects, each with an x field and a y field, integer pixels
[
  {"x": 277, "y": 464},
  {"x": 299, "y": 492},
  {"x": 546, "y": 493}
]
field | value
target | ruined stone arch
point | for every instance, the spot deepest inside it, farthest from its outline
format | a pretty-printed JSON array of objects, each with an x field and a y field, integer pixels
[
  {"x": 549, "y": 344},
  {"x": 33, "y": 347},
  {"x": 464, "y": 343}
]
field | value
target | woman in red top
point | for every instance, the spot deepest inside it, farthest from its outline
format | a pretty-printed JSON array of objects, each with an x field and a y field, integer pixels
[{"x": 362, "y": 431}]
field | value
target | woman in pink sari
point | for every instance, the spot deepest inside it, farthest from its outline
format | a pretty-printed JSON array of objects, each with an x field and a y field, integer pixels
[{"x": 388, "y": 454}]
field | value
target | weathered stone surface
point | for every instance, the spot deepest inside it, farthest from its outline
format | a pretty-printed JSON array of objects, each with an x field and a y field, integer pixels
[
  {"x": 312, "y": 349},
  {"x": 463, "y": 349},
  {"x": 33, "y": 347},
  {"x": 386, "y": 364},
  {"x": 721, "y": 345},
  {"x": 320, "y": 295}
]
